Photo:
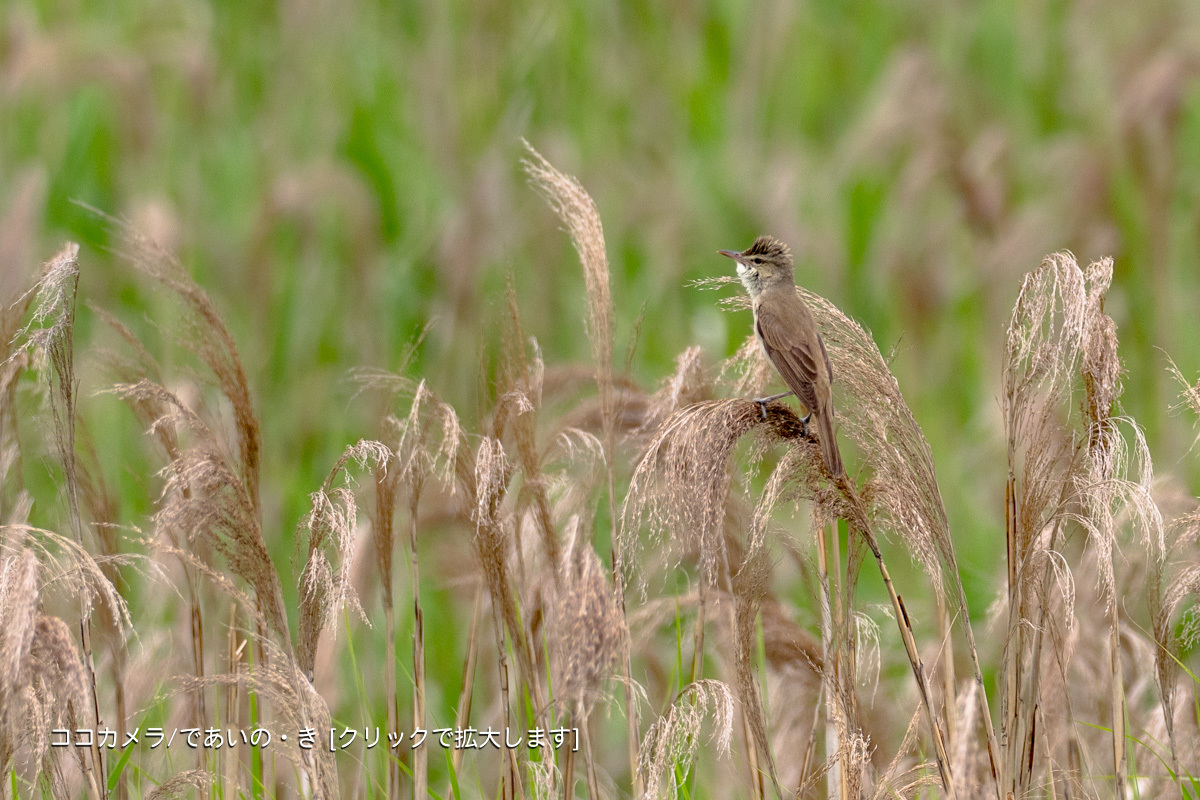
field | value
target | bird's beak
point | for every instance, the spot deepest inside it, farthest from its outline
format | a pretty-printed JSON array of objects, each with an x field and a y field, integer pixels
[{"x": 731, "y": 254}]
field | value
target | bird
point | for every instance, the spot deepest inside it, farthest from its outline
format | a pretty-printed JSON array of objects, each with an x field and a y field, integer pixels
[{"x": 788, "y": 334}]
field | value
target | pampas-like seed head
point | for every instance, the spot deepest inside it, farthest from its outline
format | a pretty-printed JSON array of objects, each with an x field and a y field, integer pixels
[
  {"x": 198, "y": 780},
  {"x": 329, "y": 528},
  {"x": 578, "y": 212},
  {"x": 681, "y": 484},
  {"x": 588, "y": 635},
  {"x": 669, "y": 746},
  {"x": 205, "y": 499},
  {"x": 206, "y": 335}
]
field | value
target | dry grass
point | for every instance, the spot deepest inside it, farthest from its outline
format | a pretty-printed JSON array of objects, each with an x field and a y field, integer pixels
[
  {"x": 585, "y": 626},
  {"x": 758, "y": 684},
  {"x": 1068, "y": 475},
  {"x": 45, "y": 683},
  {"x": 670, "y": 744},
  {"x": 329, "y": 528}
]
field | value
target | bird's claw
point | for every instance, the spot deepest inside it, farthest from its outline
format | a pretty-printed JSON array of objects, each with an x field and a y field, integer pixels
[{"x": 762, "y": 402}]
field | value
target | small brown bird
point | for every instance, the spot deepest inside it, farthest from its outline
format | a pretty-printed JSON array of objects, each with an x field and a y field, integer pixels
[{"x": 789, "y": 337}]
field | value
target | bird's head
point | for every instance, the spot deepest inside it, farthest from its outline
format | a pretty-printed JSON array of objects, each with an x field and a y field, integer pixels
[{"x": 763, "y": 263}]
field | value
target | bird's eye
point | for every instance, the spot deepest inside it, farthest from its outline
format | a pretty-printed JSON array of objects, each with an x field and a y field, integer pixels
[{"x": 755, "y": 259}]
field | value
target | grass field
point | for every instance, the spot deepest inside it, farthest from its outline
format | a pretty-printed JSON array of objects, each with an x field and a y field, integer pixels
[{"x": 399, "y": 393}]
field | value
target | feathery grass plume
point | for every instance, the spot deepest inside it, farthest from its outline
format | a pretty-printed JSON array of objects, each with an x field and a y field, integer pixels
[
  {"x": 44, "y": 683},
  {"x": 586, "y": 638},
  {"x": 545, "y": 779},
  {"x": 1078, "y": 687},
  {"x": 19, "y": 600},
  {"x": 746, "y": 372},
  {"x": 681, "y": 485},
  {"x": 197, "y": 780},
  {"x": 51, "y": 561},
  {"x": 587, "y": 631},
  {"x": 681, "y": 489},
  {"x": 517, "y": 412},
  {"x": 670, "y": 744},
  {"x": 795, "y": 668},
  {"x": 35, "y": 564},
  {"x": 205, "y": 334},
  {"x": 415, "y": 452},
  {"x": 492, "y": 473},
  {"x": 749, "y": 588},
  {"x": 1109, "y": 484},
  {"x": 904, "y": 492},
  {"x": 58, "y": 694},
  {"x": 49, "y": 340},
  {"x": 493, "y": 539},
  {"x": 687, "y": 385},
  {"x": 296, "y": 706},
  {"x": 577, "y": 211},
  {"x": 227, "y": 509},
  {"x": 14, "y": 360},
  {"x": 412, "y": 462},
  {"x": 1042, "y": 350},
  {"x": 1189, "y": 396},
  {"x": 575, "y": 207},
  {"x": 1104, "y": 487},
  {"x": 67, "y": 566},
  {"x": 204, "y": 499},
  {"x": 329, "y": 529},
  {"x": 1174, "y": 586},
  {"x": 574, "y": 463},
  {"x": 56, "y": 670},
  {"x": 154, "y": 416},
  {"x": 1059, "y": 331},
  {"x": 50, "y": 335}
]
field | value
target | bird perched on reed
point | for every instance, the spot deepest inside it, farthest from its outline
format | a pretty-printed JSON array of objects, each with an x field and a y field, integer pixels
[{"x": 788, "y": 334}]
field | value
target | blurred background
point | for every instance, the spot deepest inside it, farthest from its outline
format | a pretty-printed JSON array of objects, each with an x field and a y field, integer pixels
[{"x": 341, "y": 176}]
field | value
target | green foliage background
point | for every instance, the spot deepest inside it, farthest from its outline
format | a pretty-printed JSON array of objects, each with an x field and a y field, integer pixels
[{"x": 341, "y": 175}]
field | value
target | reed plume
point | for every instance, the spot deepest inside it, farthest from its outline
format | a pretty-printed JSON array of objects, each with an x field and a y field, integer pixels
[
  {"x": 329, "y": 528},
  {"x": 670, "y": 743}
]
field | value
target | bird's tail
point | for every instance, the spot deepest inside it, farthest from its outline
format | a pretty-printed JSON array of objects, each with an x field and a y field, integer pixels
[{"x": 829, "y": 446}]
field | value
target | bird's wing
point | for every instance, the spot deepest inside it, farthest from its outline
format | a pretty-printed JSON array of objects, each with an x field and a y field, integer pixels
[
  {"x": 792, "y": 356},
  {"x": 825, "y": 355}
]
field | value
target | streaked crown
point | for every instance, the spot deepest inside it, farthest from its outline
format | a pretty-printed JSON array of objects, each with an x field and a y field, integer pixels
[{"x": 768, "y": 248}]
